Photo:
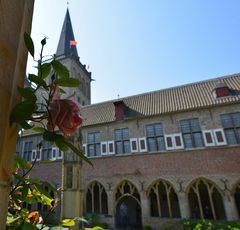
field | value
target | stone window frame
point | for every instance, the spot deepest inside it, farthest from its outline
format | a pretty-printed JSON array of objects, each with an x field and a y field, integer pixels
[
  {"x": 189, "y": 130},
  {"x": 212, "y": 189},
  {"x": 170, "y": 193},
  {"x": 230, "y": 123},
  {"x": 102, "y": 192},
  {"x": 123, "y": 140},
  {"x": 155, "y": 136},
  {"x": 95, "y": 144}
]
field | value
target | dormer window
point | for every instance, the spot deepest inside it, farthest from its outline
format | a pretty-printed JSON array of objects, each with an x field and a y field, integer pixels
[
  {"x": 222, "y": 90},
  {"x": 119, "y": 110}
]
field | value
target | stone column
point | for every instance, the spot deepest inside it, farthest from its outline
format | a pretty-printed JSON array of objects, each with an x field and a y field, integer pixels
[
  {"x": 230, "y": 207},
  {"x": 145, "y": 207},
  {"x": 111, "y": 206},
  {"x": 16, "y": 18},
  {"x": 184, "y": 205}
]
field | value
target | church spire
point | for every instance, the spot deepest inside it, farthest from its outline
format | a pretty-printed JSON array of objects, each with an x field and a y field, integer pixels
[{"x": 67, "y": 44}]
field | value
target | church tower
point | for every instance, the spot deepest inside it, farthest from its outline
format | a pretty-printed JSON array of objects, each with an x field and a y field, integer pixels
[{"x": 67, "y": 54}]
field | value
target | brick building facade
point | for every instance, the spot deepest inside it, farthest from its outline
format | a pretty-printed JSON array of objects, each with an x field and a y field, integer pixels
[{"x": 159, "y": 156}]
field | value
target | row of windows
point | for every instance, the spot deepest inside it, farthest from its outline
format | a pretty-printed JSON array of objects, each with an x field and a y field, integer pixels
[
  {"x": 205, "y": 199},
  {"x": 191, "y": 136},
  {"x": 47, "y": 152}
]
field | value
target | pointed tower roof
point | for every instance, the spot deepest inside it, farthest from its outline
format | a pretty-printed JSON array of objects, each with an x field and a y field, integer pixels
[{"x": 66, "y": 36}]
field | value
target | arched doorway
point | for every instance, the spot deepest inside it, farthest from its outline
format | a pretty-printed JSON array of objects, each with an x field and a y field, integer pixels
[{"x": 128, "y": 213}]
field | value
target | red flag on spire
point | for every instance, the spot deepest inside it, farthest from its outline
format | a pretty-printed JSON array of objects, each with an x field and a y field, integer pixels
[{"x": 73, "y": 43}]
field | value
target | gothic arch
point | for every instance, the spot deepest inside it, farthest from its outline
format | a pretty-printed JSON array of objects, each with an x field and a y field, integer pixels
[
  {"x": 163, "y": 199},
  {"x": 96, "y": 198},
  {"x": 205, "y": 199},
  {"x": 236, "y": 194},
  {"x": 128, "y": 211},
  {"x": 126, "y": 188}
]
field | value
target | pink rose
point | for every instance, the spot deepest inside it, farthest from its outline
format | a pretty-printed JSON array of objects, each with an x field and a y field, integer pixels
[{"x": 64, "y": 114}]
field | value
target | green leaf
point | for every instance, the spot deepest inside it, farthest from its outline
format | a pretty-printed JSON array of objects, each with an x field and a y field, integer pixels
[
  {"x": 29, "y": 43},
  {"x": 79, "y": 152},
  {"x": 52, "y": 136},
  {"x": 68, "y": 222},
  {"x": 11, "y": 221},
  {"x": 27, "y": 226},
  {"x": 60, "y": 69},
  {"x": 45, "y": 70},
  {"x": 39, "y": 129},
  {"x": 24, "y": 192},
  {"x": 27, "y": 93},
  {"x": 22, "y": 163},
  {"x": 22, "y": 111},
  {"x": 26, "y": 125},
  {"x": 62, "y": 146},
  {"x": 68, "y": 82},
  {"x": 37, "y": 80}
]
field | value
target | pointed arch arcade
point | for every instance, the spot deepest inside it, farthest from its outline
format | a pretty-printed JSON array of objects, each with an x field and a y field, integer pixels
[
  {"x": 163, "y": 200},
  {"x": 205, "y": 200},
  {"x": 96, "y": 198}
]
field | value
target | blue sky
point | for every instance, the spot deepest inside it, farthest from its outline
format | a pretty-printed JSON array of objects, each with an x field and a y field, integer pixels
[{"x": 136, "y": 46}]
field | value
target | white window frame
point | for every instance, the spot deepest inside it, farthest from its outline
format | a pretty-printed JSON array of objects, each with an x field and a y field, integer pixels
[
  {"x": 59, "y": 153},
  {"x": 84, "y": 148},
  {"x": 34, "y": 152},
  {"x": 171, "y": 136},
  {"x": 56, "y": 153},
  {"x": 40, "y": 155},
  {"x": 205, "y": 139},
  {"x": 106, "y": 146},
  {"x": 174, "y": 143},
  {"x": 113, "y": 152},
  {"x": 181, "y": 139},
  {"x": 224, "y": 142},
  {"x": 145, "y": 142},
  {"x": 131, "y": 145}
]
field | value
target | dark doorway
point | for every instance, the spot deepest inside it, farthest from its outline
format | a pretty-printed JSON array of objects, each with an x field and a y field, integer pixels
[{"x": 128, "y": 214}]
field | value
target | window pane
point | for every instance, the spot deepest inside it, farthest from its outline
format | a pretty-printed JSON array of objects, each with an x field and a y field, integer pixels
[
  {"x": 152, "y": 144},
  {"x": 90, "y": 150},
  {"x": 195, "y": 127},
  {"x": 97, "y": 137},
  {"x": 98, "y": 149},
  {"x": 185, "y": 127},
  {"x": 226, "y": 121},
  {"x": 126, "y": 146},
  {"x": 119, "y": 147},
  {"x": 230, "y": 135},
  {"x": 125, "y": 134},
  {"x": 158, "y": 130},
  {"x": 161, "y": 144},
  {"x": 150, "y": 130},
  {"x": 236, "y": 119},
  {"x": 198, "y": 139},
  {"x": 118, "y": 134},
  {"x": 187, "y": 140},
  {"x": 90, "y": 138}
]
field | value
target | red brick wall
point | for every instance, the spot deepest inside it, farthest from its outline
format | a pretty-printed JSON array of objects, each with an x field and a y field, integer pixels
[
  {"x": 206, "y": 161},
  {"x": 50, "y": 172}
]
